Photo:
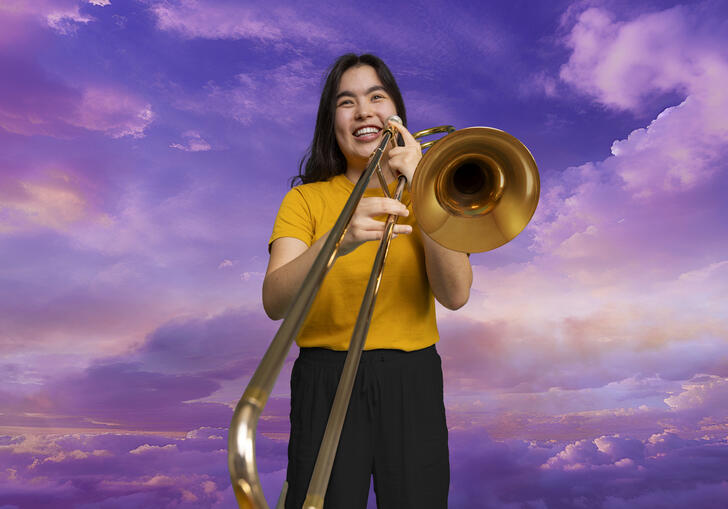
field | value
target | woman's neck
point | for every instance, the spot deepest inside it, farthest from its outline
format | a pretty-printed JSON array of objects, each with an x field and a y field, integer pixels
[{"x": 353, "y": 172}]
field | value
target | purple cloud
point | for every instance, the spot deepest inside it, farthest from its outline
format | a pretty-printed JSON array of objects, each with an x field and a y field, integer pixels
[
  {"x": 83, "y": 470},
  {"x": 230, "y": 20},
  {"x": 109, "y": 469},
  {"x": 587, "y": 473},
  {"x": 187, "y": 374},
  {"x": 64, "y": 16},
  {"x": 34, "y": 102}
]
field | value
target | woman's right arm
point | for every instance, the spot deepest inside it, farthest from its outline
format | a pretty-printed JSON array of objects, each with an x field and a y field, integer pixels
[{"x": 291, "y": 259}]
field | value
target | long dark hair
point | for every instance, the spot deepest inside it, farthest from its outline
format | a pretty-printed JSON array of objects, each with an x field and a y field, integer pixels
[{"x": 324, "y": 159}]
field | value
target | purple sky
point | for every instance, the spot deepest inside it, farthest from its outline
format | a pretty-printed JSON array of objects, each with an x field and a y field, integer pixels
[{"x": 145, "y": 148}]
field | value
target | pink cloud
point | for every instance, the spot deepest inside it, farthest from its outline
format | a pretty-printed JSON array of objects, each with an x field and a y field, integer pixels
[
  {"x": 34, "y": 102},
  {"x": 535, "y": 407},
  {"x": 544, "y": 325},
  {"x": 63, "y": 16},
  {"x": 114, "y": 112},
  {"x": 52, "y": 198},
  {"x": 621, "y": 63}
]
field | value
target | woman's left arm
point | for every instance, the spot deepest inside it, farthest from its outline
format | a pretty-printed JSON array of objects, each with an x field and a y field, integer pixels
[{"x": 448, "y": 271}]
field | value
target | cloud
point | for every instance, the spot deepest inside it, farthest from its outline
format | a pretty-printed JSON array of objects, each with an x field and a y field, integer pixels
[
  {"x": 190, "y": 471},
  {"x": 225, "y": 345},
  {"x": 135, "y": 398},
  {"x": 54, "y": 199},
  {"x": 701, "y": 393},
  {"x": 621, "y": 64},
  {"x": 150, "y": 449},
  {"x": 63, "y": 16},
  {"x": 34, "y": 102},
  {"x": 193, "y": 143},
  {"x": 188, "y": 373},
  {"x": 284, "y": 94},
  {"x": 708, "y": 496},
  {"x": 113, "y": 112},
  {"x": 135, "y": 470},
  {"x": 636, "y": 406},
  {"x": 585, "y": 473},
  {"x": 225, "y": 263},
  {"x": 230, "y": 20}
]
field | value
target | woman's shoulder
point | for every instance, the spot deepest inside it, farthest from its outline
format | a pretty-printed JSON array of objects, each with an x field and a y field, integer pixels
[{"x": 334, "y": 185}]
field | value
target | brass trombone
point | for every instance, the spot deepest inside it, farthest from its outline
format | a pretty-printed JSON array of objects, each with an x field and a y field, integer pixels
[{"x": 474, "y": 190}]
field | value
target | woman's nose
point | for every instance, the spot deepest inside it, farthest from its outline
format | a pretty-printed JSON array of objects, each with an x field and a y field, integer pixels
[{"x": 363, "y": 111}]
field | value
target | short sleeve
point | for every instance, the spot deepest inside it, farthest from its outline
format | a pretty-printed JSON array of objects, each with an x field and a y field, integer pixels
[{"x": 294, "y": 219}]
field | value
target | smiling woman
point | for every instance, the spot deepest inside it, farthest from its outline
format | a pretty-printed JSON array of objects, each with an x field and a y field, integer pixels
[
  {"x": 325, "y": 158},
  {"x": 395, "y": 425}
]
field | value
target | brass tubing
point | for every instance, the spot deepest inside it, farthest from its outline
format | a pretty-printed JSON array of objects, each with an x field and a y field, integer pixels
[
  {"x": 327, "y": 451},
  {"x": 241, "y": 435},
  {"x": 447, "y": 129}
]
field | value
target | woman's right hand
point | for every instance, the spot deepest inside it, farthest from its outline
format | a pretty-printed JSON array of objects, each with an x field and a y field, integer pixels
[{"x": 363, "y": 227}]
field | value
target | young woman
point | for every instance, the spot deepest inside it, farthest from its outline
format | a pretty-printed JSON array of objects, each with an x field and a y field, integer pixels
[{"x": 395, "y": 425}]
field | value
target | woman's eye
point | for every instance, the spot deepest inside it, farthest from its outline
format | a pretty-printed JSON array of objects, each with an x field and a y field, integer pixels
[{"x": 345, "y": 102}]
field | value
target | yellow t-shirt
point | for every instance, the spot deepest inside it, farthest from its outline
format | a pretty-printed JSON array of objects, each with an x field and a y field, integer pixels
[{"x": 404, "y": 312}]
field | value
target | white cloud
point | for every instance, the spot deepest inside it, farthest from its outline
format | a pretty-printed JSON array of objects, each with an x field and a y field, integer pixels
[
  {"x": 146, "y": 449},
  {"x": 703, "y": 393},
  {"x": 193, "y": 143}
]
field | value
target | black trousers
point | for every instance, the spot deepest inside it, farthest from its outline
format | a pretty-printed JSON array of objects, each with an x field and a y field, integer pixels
[{"x": 394, "y": 429}]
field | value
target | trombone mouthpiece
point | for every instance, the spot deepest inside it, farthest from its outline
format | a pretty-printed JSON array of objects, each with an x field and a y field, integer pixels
[{"x": 394, "y": 118}]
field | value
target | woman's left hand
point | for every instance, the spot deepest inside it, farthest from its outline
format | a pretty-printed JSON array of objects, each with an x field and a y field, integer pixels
[{"x": 404, "y": 160}]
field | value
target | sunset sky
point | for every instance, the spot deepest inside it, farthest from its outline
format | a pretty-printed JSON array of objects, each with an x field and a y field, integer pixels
[{"x": 145, "y": 146}]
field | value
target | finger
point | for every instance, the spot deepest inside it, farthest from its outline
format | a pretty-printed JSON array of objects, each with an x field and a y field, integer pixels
[
  {"x": 371, "y": 235},
  {"x": 406, "y": 135},
  {"x": 378, "y": 206},
  {"x": 369, "y": 224},
  {"x": 406, "y": 151}
]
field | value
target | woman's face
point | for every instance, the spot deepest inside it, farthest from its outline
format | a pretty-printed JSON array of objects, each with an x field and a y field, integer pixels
[{"x": 362, "y": 110}]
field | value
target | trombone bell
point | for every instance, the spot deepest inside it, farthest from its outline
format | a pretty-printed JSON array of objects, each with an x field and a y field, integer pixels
[{"x": 475, "y": 189}]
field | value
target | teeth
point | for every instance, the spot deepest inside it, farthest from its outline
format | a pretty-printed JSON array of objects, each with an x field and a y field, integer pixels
[{"x": 365, "y": 130}]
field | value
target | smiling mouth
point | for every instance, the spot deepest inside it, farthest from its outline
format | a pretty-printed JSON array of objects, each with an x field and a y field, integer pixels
[{"x": 368, "y": 130}]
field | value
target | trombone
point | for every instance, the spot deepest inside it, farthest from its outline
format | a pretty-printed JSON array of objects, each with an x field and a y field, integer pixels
[{"x": 474, "y": 190}]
